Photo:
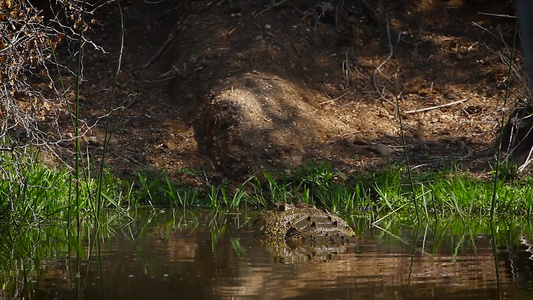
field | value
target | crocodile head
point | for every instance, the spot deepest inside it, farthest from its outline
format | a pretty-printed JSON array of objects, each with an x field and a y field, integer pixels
[{"x": 304, "y": 223}]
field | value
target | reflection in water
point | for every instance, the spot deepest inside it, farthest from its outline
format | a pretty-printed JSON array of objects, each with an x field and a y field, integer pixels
[{"x": 206, "y": 256}]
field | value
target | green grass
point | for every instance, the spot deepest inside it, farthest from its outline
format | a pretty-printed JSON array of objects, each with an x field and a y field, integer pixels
[
  {"x": 39, "y": 194},
  {"x": 440, "y": 193}
]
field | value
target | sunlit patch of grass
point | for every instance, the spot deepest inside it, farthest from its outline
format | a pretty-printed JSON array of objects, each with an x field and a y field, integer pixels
[
  {"x": 439, "y": 193},
  {"x": 34, "y": 193},
  {"x": 45, "y": 194},
  {"x": 37, "y": 194},
  {"x": 449, "y": 192}
]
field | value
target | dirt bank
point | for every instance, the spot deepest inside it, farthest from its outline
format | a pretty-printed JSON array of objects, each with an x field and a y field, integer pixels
[{"x": 232, "y": 88}]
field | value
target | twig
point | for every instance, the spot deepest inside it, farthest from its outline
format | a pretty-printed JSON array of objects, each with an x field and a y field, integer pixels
[
  {"x": 496, "y": 15},
  {"x": 307, "y": 44},
  {"x": 374, "y": 14},
  {"x": 274, "y": 4},
  {"x": 510, "y": 152},
  {"x": 337, "y": 98},
  {"x": 375, "y": 223},
  {"x": 375, "y": 77},
  {"x": 163, "y": 47},
  {"x": 434, "y": 107},
  {"x": 488, "y": 31},
  {"x": 219, "y": 3},
  {"x": 527, "y": 162}
]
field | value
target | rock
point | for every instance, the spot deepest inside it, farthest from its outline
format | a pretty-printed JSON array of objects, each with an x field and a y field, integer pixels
[{"x": 381, "y": 149}]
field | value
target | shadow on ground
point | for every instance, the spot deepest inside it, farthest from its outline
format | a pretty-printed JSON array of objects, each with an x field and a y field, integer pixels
[{"x": 232, "y": 88}]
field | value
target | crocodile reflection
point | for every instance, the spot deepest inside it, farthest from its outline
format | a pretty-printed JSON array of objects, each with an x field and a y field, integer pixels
[{"x": 303, "y": 231}]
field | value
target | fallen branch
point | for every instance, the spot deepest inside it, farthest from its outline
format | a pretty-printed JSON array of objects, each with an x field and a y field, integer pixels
[{"x": 434, "y": 107}]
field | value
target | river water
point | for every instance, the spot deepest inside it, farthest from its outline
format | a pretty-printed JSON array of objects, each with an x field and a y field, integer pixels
[{"x": 205, "y": 255}]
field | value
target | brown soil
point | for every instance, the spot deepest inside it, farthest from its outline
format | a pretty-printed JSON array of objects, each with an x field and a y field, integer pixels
[{"x": 216, "y": 89}]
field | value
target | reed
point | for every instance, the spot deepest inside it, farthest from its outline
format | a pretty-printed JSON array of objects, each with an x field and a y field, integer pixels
[
  {"x": 404, "y": 144},
  {"x": 500, "y": 138},
  {"x": 109, "y": 120}
]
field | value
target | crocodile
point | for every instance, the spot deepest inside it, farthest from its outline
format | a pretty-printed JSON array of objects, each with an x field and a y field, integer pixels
[{"x": 303, "y": 224}]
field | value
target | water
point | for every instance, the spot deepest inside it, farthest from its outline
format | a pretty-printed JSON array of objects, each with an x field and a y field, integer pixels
[{"x": 213, "y": 256}]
